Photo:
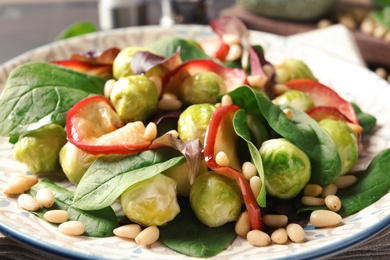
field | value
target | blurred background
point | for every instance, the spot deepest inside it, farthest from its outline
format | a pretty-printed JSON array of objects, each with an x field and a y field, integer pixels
[{"x": 27, "y": 24}]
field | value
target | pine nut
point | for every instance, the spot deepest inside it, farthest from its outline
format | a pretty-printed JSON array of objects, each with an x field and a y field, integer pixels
[
  {"x": 169, "y": 104},
  {"x": 157, "y": 83},
  {"x": 312, "y": 201},
  {"x": 27, "y": 202},
  {"x": 230, "y": 39},
  {"x": 268, "y": 70},
  {"x": 72, "y": 228},
  {"x": 16, "y": 186},
  {"x": 45, "y": 197},
  {"x": 324, "y": 218},
  {"x": 243, "y": 224},
  {"x": 279, "y": 236},
  {"x": 222, "y": 159},
  {"x": 367, "y": 26},
  {"x": 174, "y": 133},
  {"x": 150, "y": 131},
  {"x": 313, "y": 190},
  {"x": 56, "y": 216},
  {"x": 280, "y": 89},
  {"x": 234, "y": 53},
  {"x": 256, "y": 184},
  {"x": 379, "y": 31},
  {"x": 31, "y": 180},
  {"x": 249, "y": 170},
  {"x": 345, "y": 181},
  {"x": 381, "y": 72},
  {"x": 258, "y": 238},
  {"x": 139, "y": 126},
  {"x": 148, "y": 236},
  {"x": 324, "y": 23},
  {"x": 128, "y": 231},
  {"x": 257, "y": 81},
  {"x": 275, "y": 221},
  {"x": 226, "y": 100},
  {"x": 169, "y": 96},
  {"x": 331, "y": 189},
  {"x": 288, "y": 112},
  {"x": 333, "y": 202},
  {"x": 295, "y": 232},
  {"x": 108, "y": 86}
]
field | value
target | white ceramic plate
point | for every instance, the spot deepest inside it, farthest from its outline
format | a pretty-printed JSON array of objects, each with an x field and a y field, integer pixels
[{"x": 353, "y": 82}]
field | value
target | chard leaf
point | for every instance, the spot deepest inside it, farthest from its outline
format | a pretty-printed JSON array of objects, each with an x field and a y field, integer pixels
[
  {"x": 241, "y": 128},
  {"x": 302, "y": 131},
  {"x": 98, "y": 223},
  {"x": 40, "y": 93},
  {"x": 109, "y": 176},
  {"x": 187, "y": 235},
  {"x": 373, "y": 183}
]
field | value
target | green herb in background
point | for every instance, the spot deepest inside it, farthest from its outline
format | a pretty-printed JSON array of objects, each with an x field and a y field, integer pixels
[{"x": 77, "y": 29}]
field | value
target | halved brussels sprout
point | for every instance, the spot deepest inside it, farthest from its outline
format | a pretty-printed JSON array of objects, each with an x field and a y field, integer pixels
[
  {"x": 134, "y": 97},
  {"x": 39, "y": 149},
  {"x": 180, "y": 174},
  {"x": 151, "y": 202},
  {"x": 203, "y": 87},
  {"x": 294, "y": 98},
  {"x": 75, "y": 162},
  {"x": 215, "y": 199},
  {"x": 287, "y": 169},
  {"x": 193, "y": 122},
  {"x": 345, "y": 140},
  {"x": 292, "y": 69}
]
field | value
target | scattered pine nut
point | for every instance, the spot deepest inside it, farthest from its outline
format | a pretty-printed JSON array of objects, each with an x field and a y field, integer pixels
[
  {"x": 226, "y": 100},
  {"x": 279, "y": 236},
  {"x": 230, "y": 39},
  {"x": 128, "y": 231},
  {"x": 249, "y": 170},
  {"x": 295, "y": 232},
  {"x": 45, "y": 197},
  {"x": 150, "y": 131},
  {"x": 16, "y": 186},
  {"x": 243, "y": 224},
  {"x": 108, "y": 86},
  {"x": 148, "y": 236},
  {"x": 381, "y": 72},
  {"x": 256, "y": 184},
  {"x": 72, "y": 228},
  {"x": 56, "y": 216},
  {"x": 333, "y": 202},
  {"x": 222, "y": 159},
  {"x": 330, "y": 189},
  {"x": 324, "y": 218},
  {"x": 288, "y": 112},
  {"x": 312, "y": 201},
  {"x": 27, "y": 202},
  {"x": 169, "y": 104},
  {"x": 157, "y": 83},
  {"x": 324, "y": 23},
  {"x": 313, "y": 190},
  {"x": 234, "y": 53},
  {"x": 345, "y": 181},
  {"x": 275, "y": 220},
  {"x": 258, "y": 238},
  {"x": 257, "y": 81}
]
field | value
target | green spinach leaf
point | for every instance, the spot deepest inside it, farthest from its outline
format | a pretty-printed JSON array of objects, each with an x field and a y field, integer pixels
[
  {"x": 108, "y": 177},
  {"x": 302, "y": 131},
  {"x": 188, "y": 50},
  {"x": 98, "y": 223},
  {"x": 373, "y": 183},
  {"x": 77, "y": 29},
  {"x": 187, "y": 235},
  {"x": 241, "y": 128},
  {"x": 367, "y": 121},
  {"x": 41, "y": 93}
]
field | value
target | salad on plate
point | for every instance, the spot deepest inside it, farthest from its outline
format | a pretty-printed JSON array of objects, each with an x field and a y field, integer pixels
[{"x": 189, "y": 143}]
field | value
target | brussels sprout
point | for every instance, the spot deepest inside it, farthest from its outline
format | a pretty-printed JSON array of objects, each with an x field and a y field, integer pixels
[
  {"x": 75, "y": 162},
  {"x": 180, "y": 174},
  {"x": 134, "y": 97},
  {"x": 203, "y": 87},
  {"x": 121, "y": 66},
  {"x": 345, "y": 140},
  {"x": 296, "y": 99},
  {"x": 151, "y": 202},
  {"x": 287, "y": 169},
  {"x": 292, "y": 69},
  {"x": 193, "y": 122},
  {"x": 215, "y": 199},
  {"x": 39, "y": 149}
]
